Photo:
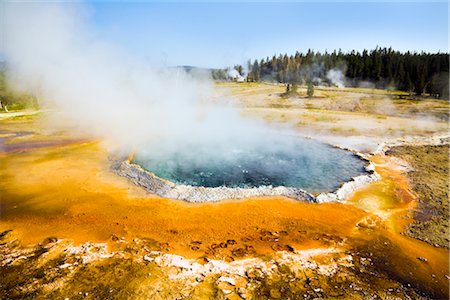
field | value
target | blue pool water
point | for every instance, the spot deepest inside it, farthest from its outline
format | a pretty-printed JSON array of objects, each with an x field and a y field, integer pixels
[{"x": 282, "y": 161}]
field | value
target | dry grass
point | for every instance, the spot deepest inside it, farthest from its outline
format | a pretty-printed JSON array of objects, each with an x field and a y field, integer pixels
[{"x": 368, "y": 112}]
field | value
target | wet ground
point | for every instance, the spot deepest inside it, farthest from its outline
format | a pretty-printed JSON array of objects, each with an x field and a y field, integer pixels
[
  {"x": 65, "y": 192},
  {"x": 429, "y": 181}
]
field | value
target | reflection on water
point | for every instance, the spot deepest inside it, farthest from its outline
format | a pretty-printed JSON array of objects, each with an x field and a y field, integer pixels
[{"x": 290, "y": 161}]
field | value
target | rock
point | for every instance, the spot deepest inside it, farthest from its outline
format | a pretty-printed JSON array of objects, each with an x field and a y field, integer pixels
[
  {"x": 147, "y": 258},
  {"x": 229, "y": 280},
  {"x": 423, "y": 259},
  {"x": 167, "y": 189},
  {"x": 51, "y": 239},
  {"x": 241, "y": 282},
  {"x": 244, "y": 293},
  {"x": 63, "y": 266},
  {"x": 173, "y": 271},
  {"x": 239, "y": 252},
  {"x": 71, "y": 260},
  {"x": 254, "y": 273},
  {"x": 348, "y": 188},
  {"x": 290, "y": 248},
  {"x": 228, "y": 258}
]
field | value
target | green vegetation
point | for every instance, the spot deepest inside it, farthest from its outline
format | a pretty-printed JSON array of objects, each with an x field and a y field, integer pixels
[
  {"x": 310, "y": 90},
  {"x": 10, "y": 100},
  {"x": 219, "y": 74},
  {"x": 291, "y": 91},
  {"x": 224, "y": 74},
  {"x": 380, "y": 68}
]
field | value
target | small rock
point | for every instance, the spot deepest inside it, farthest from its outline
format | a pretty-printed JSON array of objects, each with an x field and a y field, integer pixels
[
  {"x": 241, "y": 282},
  {"x": 422, "y": 259},
  {"x": 228, "y": 258},
  {"x": 63, "y": 266},
  {"x": 229, "y": 280},
  {"x": 148, "y": 258},
  {"x": 225, "y": 286},
  {"x": 50, "y": 240},
  {"x": 243, "y": 293},
  {"x": 226, "y": 292},
  {"x": 239, "y": 252},
  {"x": 253, "y": 273},
  {"x": 173, "y": 271}
]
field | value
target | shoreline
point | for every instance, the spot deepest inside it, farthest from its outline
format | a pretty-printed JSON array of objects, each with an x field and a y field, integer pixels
[{"x": 198, "y": 194}]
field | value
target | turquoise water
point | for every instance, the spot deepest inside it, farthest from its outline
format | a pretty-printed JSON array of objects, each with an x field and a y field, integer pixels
[{"x": 282, "y": 161}]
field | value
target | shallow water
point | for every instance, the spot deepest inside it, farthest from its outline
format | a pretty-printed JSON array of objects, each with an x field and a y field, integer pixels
[{"x": 284, "y": 161}]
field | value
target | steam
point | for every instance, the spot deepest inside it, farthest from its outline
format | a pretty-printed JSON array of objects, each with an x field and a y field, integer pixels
[
  {"x": 336, "y": 77},
  {"x": 51, "y": 51},
  {"x": 234, "y": 75}
]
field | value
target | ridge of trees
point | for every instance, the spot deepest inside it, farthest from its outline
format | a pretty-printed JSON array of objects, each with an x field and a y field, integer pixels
[{"x": 412, "y": 72}]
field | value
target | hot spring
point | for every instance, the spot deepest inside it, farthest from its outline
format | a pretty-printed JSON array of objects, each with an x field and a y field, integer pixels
[{"x": 283, "y": 160}]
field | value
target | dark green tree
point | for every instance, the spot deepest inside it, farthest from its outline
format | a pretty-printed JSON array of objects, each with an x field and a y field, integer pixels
[{"x": 310, "y": 90}]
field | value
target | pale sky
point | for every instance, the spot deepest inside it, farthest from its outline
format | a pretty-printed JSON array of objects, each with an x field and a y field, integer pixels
[{"x": 212, "y": 34}]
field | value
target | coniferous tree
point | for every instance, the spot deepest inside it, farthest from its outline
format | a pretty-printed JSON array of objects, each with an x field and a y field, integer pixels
[
  {"x": 256, "y": 71},
  {"x": 310, "y": 90},
  {"x": 384, "y": 67}
]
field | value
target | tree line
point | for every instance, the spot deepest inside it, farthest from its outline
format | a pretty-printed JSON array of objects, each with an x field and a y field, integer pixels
[
  {"x": 412, "y": 72},
  {"x": 11, "y": 100}
]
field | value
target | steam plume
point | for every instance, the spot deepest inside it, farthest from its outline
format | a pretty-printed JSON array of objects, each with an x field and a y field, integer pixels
[
  {"x": 51, "y": 51},
  {"x": 336, "y": 77}
]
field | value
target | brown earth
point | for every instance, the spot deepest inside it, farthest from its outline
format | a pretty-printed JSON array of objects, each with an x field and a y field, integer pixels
[{"x": 430, "y": 182}]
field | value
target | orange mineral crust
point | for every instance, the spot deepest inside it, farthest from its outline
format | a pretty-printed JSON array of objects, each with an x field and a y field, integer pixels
[{"x": 70, "y": 192}]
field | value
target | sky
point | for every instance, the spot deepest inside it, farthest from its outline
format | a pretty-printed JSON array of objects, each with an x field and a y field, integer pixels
[{"x": 212, "y": 34}]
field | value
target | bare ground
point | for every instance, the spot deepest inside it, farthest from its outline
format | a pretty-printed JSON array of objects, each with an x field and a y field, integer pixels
[{"x": 429, "y": 181}]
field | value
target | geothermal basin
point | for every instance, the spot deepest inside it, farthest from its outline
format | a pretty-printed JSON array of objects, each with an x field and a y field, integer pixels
[{"x": 286, "y": 165}]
